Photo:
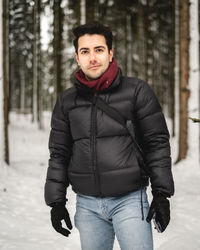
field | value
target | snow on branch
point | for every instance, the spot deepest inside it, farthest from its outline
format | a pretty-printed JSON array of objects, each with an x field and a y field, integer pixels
[{"x": 194, "y": 119}]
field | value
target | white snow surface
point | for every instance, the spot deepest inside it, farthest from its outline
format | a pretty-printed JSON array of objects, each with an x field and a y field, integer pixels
[{"x": 25, "y": 219}]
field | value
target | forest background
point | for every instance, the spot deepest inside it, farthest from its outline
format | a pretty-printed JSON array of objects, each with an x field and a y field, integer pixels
[{"x": 157, "y": 41}]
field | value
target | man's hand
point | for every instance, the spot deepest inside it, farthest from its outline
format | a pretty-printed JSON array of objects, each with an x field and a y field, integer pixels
[
  {"x": 159, "y": 208},
  {"x": 59, "y": 213}
]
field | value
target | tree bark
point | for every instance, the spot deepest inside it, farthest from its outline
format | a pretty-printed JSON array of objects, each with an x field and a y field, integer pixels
[
  {"x": 22, "y": 85},
  {"x": 1, "y": 92},
  {"x": 184, "y": 77},
  {"x": 141, "y": 43},
  {"x": 39, "y": 80},
  {"x": 173, "y": 61},
  {"x": 57, "y": 44},
  {"x": 83, "y": 11},
  {"x": 199, "y": 77},
  {"x": 5, "y": 79},
  {"x": 35, "y": 66},
  {"x": 129, "y": 45},
  {"x": 193, "y": 104},
  {"x": 148, "y": 43}
]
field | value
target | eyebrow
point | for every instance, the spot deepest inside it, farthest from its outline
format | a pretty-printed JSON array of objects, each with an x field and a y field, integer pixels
[{"x": 97, "y": 47}]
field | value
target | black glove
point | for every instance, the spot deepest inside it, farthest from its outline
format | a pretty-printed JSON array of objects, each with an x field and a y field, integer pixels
[
  {"x": 59, "y": 213},
  {"x": 160, "y": 211}
]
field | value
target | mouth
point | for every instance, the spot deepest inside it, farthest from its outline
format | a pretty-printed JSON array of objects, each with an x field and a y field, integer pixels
[{"x": 94, "y": 67}]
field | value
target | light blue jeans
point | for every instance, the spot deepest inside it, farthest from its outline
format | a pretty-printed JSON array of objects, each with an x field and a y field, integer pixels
[{"x": 98, "y": 220}]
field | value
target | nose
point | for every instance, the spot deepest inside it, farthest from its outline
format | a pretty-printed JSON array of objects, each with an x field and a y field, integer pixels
[{"x": 92, "y": 57}]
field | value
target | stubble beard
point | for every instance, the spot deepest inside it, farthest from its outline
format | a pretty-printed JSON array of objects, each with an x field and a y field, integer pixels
[{"x": 91, "y": 77}]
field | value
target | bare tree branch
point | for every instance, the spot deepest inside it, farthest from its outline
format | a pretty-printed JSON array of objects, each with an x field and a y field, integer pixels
[{"x": 194, "y": 119}]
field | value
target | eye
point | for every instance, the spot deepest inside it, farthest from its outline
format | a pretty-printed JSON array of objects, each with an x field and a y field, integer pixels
[
  {"x": 99, "y": 50},
  {"x": 84, "y": 52}
]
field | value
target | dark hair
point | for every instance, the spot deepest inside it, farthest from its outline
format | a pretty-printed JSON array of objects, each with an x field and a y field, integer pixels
[{"x": 92, "y": 28}]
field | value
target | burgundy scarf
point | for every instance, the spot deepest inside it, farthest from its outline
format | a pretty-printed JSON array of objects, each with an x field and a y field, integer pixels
[{"x": 104, "y": 81}]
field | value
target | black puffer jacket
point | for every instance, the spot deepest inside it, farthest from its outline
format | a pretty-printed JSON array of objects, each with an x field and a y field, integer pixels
[{"x": 95, "y": 154}]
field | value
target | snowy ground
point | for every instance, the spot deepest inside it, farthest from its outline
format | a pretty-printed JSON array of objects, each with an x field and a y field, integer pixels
[{"x": 24, "y": 217}]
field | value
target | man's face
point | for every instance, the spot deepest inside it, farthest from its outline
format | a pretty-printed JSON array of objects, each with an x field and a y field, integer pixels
[{"x": 93, "y": 56}]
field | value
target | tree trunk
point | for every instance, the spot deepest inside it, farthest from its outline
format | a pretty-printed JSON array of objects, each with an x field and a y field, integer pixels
[
  {"x": 83, "y": 11},
  {"x": 22, "y": 85},
  {"x": 149, "y": 43},
  {"x": 173, "y": 84},
  {"x": 184, "y": 77},
  {"x": 35, "y": 67},
  {"x": 177, "y": 66},
  {"x": 129, "y": 45},
  {"x": 1, "y": 92},
  {"x": 193, "y": 129},
  {"x": 5, "y": 80},
  {"x": 57, "y": 43},
  {"x": 39, "y": 80},
  {"x": 140, "y": 43},
  {"x": 199, "y": 79}
]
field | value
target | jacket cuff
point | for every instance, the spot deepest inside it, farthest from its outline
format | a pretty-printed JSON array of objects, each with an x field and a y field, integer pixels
[
  {"x": 157, "y": 194},
  {"x": 61, "y": 203}
]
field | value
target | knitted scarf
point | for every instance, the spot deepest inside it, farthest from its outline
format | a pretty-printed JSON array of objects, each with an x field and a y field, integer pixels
[{"x": 104, "y": 81}]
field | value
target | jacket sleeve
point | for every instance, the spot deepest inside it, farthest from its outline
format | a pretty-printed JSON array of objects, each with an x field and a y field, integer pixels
[
  {"x": 60, "y": 143},
  {"x": 155, "y": 139}
]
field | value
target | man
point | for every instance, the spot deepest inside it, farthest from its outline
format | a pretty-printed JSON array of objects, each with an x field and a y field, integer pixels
[{"x": 96, "y": 154}]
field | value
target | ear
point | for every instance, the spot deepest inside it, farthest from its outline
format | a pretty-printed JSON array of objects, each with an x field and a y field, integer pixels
[
  {"x": 77, "y": 59},
  {"x": 111, "y": 55}
]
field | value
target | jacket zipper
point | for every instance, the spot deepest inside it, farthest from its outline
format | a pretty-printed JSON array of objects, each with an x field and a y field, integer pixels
[{"x": 93, "y": 144}]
